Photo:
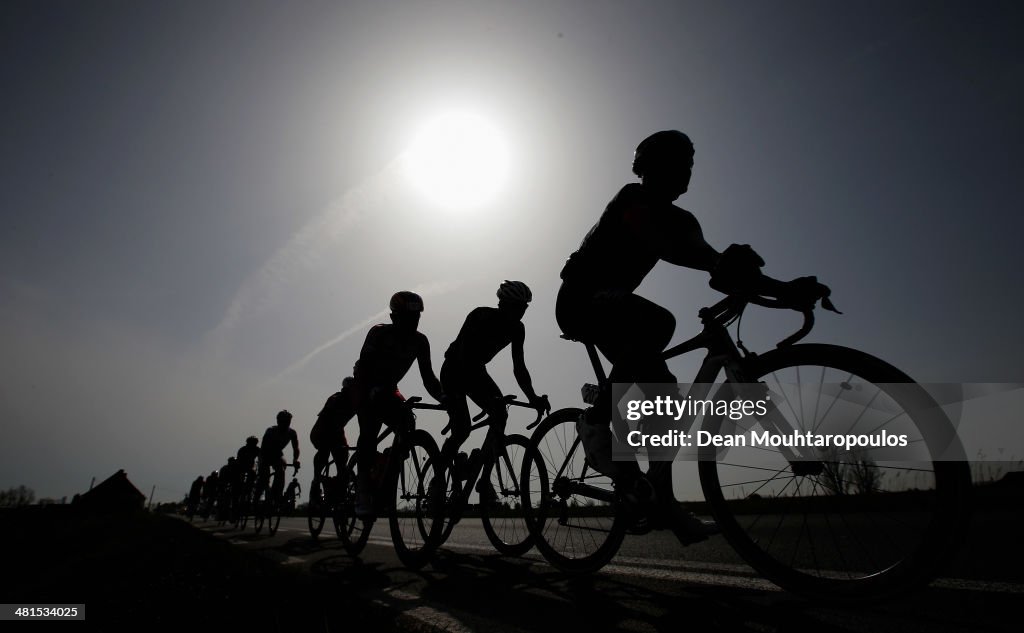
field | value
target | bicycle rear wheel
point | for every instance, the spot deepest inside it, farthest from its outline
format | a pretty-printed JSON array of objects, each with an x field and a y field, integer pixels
[
  {"x": 352, "y": 531},
  {"x": 316, "y": 510},
  {"x": 501, "y": 499},
  {"x": 571, "y": 509},
  {"x": 416, "y": 519},
  {"x": 846, "y": 526}
]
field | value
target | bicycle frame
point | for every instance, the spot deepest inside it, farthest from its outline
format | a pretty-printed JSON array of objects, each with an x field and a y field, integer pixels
[
  {"x": 397, "y": 450},
  {"x": 487, "y": 449},
  {"x": 722, "y": 354},
  {"x": 273, "y": 481}
]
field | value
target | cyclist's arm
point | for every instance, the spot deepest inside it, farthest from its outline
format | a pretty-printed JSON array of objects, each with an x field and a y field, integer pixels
[
  {"x": 430, "y": 381},
  {"x": 519, "y": 364},
  {"x": 673, "y": 234},
  {"x": 295, "y": 446}
]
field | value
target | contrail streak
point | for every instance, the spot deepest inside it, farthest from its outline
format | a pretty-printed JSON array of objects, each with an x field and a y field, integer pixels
[
  {"x": 358, "y": 327},
  {"x": 427, "y": 289},
  {"x": 304, "y": 250}
]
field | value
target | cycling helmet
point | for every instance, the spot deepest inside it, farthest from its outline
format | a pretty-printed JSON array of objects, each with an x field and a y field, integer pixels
[
  {"x": 514, "y": 291},
  {"x": 283, "y": 417},
  {"x": 252, "y": 440},
  {"x": 406, "y": 301},
  {"x": 666, "y": 146}
]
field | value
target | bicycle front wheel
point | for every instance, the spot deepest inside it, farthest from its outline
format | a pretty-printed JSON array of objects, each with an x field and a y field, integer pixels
[
  {"x": 274, "y": 511},
  {"x": 416, "y": 517},
  {"x": 501, "y": 499},
  {"x": 571, "y": 509},
  {"x": 846, "y": 524},
  {"x": 260, "y": 508}
]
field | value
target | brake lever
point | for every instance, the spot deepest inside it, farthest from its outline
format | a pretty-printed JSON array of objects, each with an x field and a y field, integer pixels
[
  {"x": 826, "y": 303},
  {"x": 540, "y": 413},
  {"x": 802, "y": 332}
]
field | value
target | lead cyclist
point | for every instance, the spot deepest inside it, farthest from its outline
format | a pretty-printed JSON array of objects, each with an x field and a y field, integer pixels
[{"x": 597, "y": 303}]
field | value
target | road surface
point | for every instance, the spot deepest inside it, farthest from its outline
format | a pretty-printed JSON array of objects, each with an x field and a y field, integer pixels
[{"x": 654, "y": 584}]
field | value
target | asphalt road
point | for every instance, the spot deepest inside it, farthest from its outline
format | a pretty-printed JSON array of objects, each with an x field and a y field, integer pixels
[{"x": 654, "y": 584}]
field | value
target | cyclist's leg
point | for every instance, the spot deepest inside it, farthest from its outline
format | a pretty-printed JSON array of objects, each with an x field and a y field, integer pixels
[
  {"x": 338, "y": 450},
  {"x": 631, "y": 332},
  {"x": 262, "y": 475},
  {"x": 458, "y": 412},
  {"x": 369, "y": 429},
  {"x": 279, "y": 471},
  {"x": 485, "y": 394},
  {"x": 323, "y": 451}
]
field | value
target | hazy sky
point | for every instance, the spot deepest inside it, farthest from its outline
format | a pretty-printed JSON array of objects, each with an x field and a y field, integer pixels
[{"x": 204, "y": 206}]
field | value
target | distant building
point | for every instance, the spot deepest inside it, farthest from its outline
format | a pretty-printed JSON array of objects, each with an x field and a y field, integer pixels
[{"x": 114, "y": 494}]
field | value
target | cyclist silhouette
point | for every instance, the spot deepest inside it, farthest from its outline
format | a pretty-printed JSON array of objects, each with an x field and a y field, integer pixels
[
  {"x": 596, "y": 301},
  {"x": 195, "y": 494},
  {"x": 485, "y": 332},
  {"x": 211, "y": 488},
  {"x": 229, "y": 474},
  {"x": 292, "y": 493},
  {"x": 247, "y": 454},
  {"x": 245, "y": 459},
  {"x": 328, "y": 432},
  {"x": 275, "y": 439},
  {"x": 386, "y": 356}
]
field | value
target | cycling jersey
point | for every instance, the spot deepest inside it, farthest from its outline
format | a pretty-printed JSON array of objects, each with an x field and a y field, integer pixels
[
  {"x": 387, "y": 354},
  {"x": 196, "y": 490},
  {"x": 633, "y": 233},
  {"x": 485, "y": 332},
  {"x": 328, "y": 433},
  {"x": 210, "y": 487},
  {"x": 246, "y": 457},
  {"x": 275, "y": 439}
]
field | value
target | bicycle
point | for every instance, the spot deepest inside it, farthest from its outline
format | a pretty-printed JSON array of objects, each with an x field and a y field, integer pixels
[
  {"x": 243, "y": 498},
  {"x": 191, "y": 508},
  {"x": 767, "y": 510},
  {"x": 268, "y": 502},
  {"x": 225, "y": 508},
  {"x": 495, "y": 477},
  {"x": 401, "y": 479}
]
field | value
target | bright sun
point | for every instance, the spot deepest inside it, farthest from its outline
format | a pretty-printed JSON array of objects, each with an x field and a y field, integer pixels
[{"x": 458, "y": 160}]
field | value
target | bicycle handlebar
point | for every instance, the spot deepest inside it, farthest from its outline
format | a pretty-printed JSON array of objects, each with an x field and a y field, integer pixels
[
  {"x": 509, "y": 401},
  {"x": 732, "y": 306}
]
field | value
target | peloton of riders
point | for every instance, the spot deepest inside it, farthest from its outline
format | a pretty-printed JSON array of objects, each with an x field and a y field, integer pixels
[{"x": 596, "y": 302}]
